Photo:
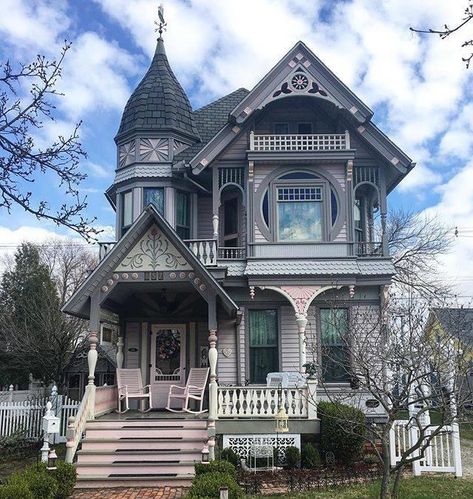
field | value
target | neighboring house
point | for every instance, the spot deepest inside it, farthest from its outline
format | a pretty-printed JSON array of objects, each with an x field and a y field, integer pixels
[
  {"x": 456, "y": 324},
  {"x": 238, "y": 225}
]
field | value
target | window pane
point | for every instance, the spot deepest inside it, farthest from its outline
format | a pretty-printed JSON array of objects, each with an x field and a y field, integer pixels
[
  {"x": 183, "y": 232},
  {"x": 154, "y": 196},
  {"x": 281, "y": 128},
  {"x": 335, "y": 355},
  {"x": 182, "y": 209},
  {"x": 334, "y": 206},
  {"x": 127, "y": 211},
  {"x": 230, "y": 221},
  {"x": 304, "y": 128},
  {"x": 300, "y": 221},
  {"x": 263, "y": 329}
]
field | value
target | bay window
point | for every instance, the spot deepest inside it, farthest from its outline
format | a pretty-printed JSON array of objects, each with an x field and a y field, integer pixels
[
  {"x": 333, "y": 339},
  {"x": 154, "y": 196},
  {"x": 183, "y": 214},
  {"x": 127, "y": 210},
  {"x": 263, "y": 344}
]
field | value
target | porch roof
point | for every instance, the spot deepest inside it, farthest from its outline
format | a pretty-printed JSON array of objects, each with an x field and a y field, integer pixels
[{"x": 79, "y": 303}]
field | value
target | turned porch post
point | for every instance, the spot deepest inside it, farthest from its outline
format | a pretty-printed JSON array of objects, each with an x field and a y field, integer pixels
[
  {"x": 94, "y": 326},
  {"x": 301, "y": 320},
  {"x": 213, "y": 386}
]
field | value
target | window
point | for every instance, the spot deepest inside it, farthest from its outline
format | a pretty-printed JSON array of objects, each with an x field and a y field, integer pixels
[
  {"x": 263, "y": 331},
  {"x": 304, "y": 128},
  {"x": 106, "y": 334},
  {"x": 335, "y": 355},
  {"x": 183, "y": 214},
  {"x": 154, "y": 196},
  {"x": 281, "y": 128},
  {"x": 231, "y": 212},
  {"x": 299, "y": 213},
  {"x": 127, "y": 210}
]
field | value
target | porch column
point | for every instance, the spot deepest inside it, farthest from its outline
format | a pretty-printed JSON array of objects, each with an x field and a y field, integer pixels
[
  {"x": 301, "y": 320},
  {"x": 215, "y": 203},
  {"x": 94, "y": 326},
  {"x": 120, "y": 352},
  {"x": 213, "y": 387}
]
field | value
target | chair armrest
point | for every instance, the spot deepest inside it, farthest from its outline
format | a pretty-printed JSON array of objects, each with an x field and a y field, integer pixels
[
  {"x": 123, "y": 388},
  {"x": 196, "y": 387},
  {"x": 178, "y": 387},
  {"x": 148, "y": 387}
]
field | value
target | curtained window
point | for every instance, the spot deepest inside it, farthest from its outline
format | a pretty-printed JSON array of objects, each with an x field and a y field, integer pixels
[
  {"x": 264, "y": 356},
  {"x": 154, "y": 196},
  {"x": 335, "y": 355}
]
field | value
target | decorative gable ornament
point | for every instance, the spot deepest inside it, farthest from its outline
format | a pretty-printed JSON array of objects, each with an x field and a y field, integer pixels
[
  {"x": 299, "y": 82},
  {"x": 153, "y": 252},
  {"x": 126, "y": 153},
  {"x": 154, "y": 150}
]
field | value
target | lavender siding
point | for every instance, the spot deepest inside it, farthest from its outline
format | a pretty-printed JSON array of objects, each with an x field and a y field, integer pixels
[
  {"x": 132, "y": 338},
  {"x": 204, "y": 219},
  {"x": 227, "y": 365}
]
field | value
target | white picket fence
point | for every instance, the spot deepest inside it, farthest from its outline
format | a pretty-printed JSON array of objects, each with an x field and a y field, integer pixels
[
  {"x": 27, "y": 416},
  {"x": 442, "y": 454}
]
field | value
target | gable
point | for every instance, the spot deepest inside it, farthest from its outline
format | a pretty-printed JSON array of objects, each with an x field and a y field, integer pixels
[{"x": 153, "y": 252}]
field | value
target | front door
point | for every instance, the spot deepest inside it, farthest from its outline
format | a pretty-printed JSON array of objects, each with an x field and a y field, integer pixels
[{"x": 168, "y": 360}]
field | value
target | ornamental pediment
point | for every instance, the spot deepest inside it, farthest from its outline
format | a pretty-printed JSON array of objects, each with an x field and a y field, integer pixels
[{"x": 153, "y": 252}]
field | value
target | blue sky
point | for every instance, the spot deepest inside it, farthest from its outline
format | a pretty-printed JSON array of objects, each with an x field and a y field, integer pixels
[{"x": 418, "y": 86}]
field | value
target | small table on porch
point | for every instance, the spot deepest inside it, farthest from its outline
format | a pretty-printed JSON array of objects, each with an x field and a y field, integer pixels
[{"x": 258, "y": 451}]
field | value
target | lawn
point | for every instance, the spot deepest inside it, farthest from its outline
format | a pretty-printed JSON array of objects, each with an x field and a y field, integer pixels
[{"x": 426, "y": 487}]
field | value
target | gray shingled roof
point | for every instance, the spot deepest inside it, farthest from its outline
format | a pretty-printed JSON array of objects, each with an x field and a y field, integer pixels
[
  {"x": 210, "y": 119},
  {"x": 319, "y": 267},
  {"x": 143, "y": 171},
  {"x": 159, "y": 102},
  {"x": 457, "y": 322}
]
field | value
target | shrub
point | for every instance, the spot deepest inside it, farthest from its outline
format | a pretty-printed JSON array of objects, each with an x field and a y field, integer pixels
[
  {"x": 17, "y": 487},
  {"x": 65, "y": 476},
  {"x": 310, "y": 456},
  {"x": 42, "y": 483},
  {"x": 207, "y": 486},
  {"x": 217, "y": 466},
  {"x": 293, "y": 457},
  {"x": 342, "y": 430},
  {"x": 231, "y": 456},
  {"x": 371, "y": 458}
]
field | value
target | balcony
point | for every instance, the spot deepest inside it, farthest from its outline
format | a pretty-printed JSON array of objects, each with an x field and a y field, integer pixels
[{"x": 316, "y": 142}]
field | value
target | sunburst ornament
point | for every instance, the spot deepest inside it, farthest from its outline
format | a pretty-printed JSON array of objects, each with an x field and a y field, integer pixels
[
  {"x": 299, "y": 81},
  {"x": 126, "y": 153},
  {"x": 154, "y": 149}
]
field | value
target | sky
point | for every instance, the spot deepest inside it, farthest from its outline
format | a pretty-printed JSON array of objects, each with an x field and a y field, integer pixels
[{"x": 417, "y": 85}]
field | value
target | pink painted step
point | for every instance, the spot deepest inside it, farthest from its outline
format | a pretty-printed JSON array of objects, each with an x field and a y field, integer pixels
[
  {"x": 149, "y": 423},
  {"x": 145, "y": 444},
  {"x": 144, "y": 432},
  {"x": 136, "y": 469},
  {"x": 104, "y": 481},
  {"x": 113, "y": 456}
]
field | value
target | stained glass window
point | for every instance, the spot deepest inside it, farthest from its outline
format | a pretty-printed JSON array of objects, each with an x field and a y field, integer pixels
[
  {"x": 154, "y": 196},
  {"x": 335, "y": 355},
  {"x": 300, "y": 213},
  {"x": 263, "y": 330}
]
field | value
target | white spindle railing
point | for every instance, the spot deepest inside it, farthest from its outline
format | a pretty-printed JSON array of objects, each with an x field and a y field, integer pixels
[
  {"x": 76, "y": 424},
  {"x": 204, "y": 249},
  {"x": 106, "y": 398},
  {"x": 232, "y": 253},
  {"x": 261, "y": 402},
  {"x": 311, "y": 142}
]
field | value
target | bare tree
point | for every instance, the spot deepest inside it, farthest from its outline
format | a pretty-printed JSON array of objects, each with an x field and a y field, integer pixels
[
  {"x": 21, "y": 160},
  {"x": 447, "y": 31},
  {"x": 416, "y": 242},
  {"x": 393, "y": 359}
]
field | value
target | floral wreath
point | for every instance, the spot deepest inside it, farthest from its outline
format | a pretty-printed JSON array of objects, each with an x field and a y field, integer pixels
[{"x": 167, "y": 346}]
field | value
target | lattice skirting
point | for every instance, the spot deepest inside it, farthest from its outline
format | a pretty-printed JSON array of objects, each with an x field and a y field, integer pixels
[{"x": 241, "y": 444}]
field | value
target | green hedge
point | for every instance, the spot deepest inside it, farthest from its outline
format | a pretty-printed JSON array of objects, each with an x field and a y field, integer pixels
[
  {"x": 218, "y": 466},
  {"x": 36, "y": 482},
  {"x": 228, "y": 454},
  {"x": 342, "y": 430},
  {"x": 207, "y": 486}
]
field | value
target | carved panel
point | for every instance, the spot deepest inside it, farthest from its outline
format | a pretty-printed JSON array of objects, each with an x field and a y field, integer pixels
[
  {"x": 154, "y": 149},
  {"x": 126, "y": 153},
  {"x": 178, "y": 146},
  {"x": 154, "y": 252}
]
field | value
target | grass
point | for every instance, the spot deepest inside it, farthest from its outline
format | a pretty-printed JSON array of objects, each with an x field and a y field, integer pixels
[{"x": 426, "y": 487}]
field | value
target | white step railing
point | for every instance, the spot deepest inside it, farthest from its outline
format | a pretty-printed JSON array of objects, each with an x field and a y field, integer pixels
[
  {"x": 106, "y": 399},
  {"x": 442, "y": 454},
  {"x": 311, "y": 142},
  {"x": 262, "y": 402},
  {"x": 204, "y": 249}
]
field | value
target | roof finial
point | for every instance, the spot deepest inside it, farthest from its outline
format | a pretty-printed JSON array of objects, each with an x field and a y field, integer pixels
[{"x": 162, "y": 24}]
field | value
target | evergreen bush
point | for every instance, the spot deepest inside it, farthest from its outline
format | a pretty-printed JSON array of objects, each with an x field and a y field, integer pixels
[
  {"x": 342, "y": 430},
  {"x": 65, "y": 475},
  {"x": 217, "y": 466},
  {"x": 310, "y": 456},
  {"x": 293, "y": 457},
  {"x": 231, "y": 456},
  {"x": 207, "y": 486}
]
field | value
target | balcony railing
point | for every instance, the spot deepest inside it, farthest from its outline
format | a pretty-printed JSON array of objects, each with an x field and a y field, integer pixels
[
  {"x": 369, "y": 249},
  {"x": 204, "y": 249},
  {"x": 313, "y": 142},
  {"x": 233, "y": 253}
]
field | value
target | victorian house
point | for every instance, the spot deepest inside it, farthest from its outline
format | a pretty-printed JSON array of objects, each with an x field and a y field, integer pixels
[{"x": 238, "y": 226}]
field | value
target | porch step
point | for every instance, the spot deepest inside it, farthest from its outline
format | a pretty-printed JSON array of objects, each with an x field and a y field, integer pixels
[{"x": 140, "y": 452}]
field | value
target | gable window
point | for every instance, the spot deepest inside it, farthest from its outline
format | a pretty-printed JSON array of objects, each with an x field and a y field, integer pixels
[
  {"x": 127, "y": 210},
  {"x": 299, "y": 212},
  {"x": 281, "y": 128},
  {"x": 263, "y": 344},
  {"x": 154, "y": 196},
  {"x": 183, "y": 214},
  {"x": 230, "y": 222},
  {"x": 333, "y": 339},
  {"x": 304, "y": 128}
]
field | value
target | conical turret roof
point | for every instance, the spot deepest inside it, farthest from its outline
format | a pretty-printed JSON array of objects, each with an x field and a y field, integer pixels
[{"x": 158, "y": 102}]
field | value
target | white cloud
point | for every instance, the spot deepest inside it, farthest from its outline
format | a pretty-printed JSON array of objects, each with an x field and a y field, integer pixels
[{"x": 96, "y": 170}]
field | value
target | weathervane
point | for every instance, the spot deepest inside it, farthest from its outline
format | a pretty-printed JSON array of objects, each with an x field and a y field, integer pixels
[{"x": 161, "y": 25}]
